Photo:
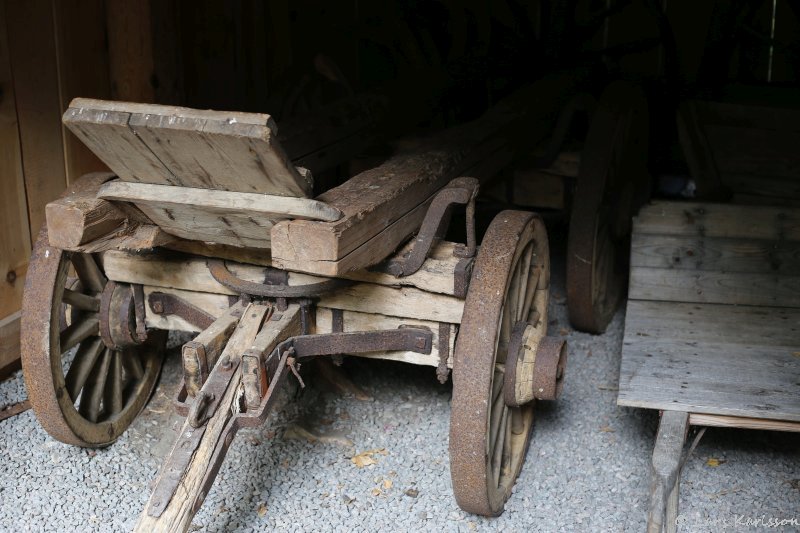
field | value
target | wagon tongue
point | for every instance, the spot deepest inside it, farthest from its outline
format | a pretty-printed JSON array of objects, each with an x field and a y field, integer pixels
[{"x": 260, "y": 353}]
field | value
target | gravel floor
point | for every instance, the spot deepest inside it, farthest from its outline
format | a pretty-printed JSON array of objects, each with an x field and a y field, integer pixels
[{"x": 586, "y": 468}]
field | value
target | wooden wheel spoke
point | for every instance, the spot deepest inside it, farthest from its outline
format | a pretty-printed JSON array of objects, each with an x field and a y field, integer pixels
[
  {"x": 524, "y": 282},
  {"x": 132, "y": 364},
  {"x": 93, "y": 390},
  {"x": 88, "y": 272},
  {"x": 78, "y": 331},
  {"x": 81, "y": 366},
  {"x": 81, "y": 301},
  {"x": 530, "y": 293},
  {"x": 499, "y": 445},
  {"x": 112, "y": 397}
]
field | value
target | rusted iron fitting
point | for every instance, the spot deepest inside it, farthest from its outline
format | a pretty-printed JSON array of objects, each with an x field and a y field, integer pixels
[{"x": 460, "y": 191}]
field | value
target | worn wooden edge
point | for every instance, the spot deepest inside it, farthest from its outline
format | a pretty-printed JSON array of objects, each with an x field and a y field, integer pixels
[
  {"x": 245, "y": 203},
  {"x": 724, "y": 421},
  {"x": 256, "y": 119}
]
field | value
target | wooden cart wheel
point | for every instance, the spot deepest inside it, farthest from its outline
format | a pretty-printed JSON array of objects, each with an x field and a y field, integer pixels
[
  {"x": 488, "y": 439},
  {"x": 92, "y": 399},
  {"x": 612, "y": 184}
]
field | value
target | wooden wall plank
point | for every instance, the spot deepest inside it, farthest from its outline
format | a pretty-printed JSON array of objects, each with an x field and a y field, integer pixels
[
  {"x": 130, "y": 49},
  {"x": 83, "y": 71},
  {"x": 32, "y": 45},
  {"x": 15, "y": 244}
]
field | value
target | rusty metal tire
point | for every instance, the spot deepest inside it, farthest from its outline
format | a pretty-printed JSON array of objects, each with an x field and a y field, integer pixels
[
  {"x": 65, "y": 416},
  {"x": 514, "y": 251},
  {"x": 612, "y": 184}
]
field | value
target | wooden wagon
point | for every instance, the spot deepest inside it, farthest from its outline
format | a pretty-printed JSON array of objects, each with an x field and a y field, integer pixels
[{"x": 205, "y": 224}]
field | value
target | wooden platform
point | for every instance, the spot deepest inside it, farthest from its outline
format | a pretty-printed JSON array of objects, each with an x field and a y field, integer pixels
[
  {"x": 713, "y": 319},
  {"x": 712, "y": 331}
]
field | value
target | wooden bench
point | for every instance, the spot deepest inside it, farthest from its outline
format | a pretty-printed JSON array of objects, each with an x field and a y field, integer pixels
[{"x": 712, "y": 331}]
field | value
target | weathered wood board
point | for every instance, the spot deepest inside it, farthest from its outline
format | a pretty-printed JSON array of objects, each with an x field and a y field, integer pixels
[
  {"x": 713, "y": 319},
  {"x": 168, "y": 145},
  {"x": 240, "y": 219},
  {"x": 707, "y": 358}
]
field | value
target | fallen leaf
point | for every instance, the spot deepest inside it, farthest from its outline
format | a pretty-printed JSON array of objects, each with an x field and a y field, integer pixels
[
  {"x": 796, "y": 354},
  {"x": 714, "y": 462},
  {"x": 607, "y": 429},
  {"x": 366, "y": 458},
  {"x": 589, "y": 353},
  {"x": 387, "y": 484},
  {"x": 347, "y": 499},
  {"x": 376, "y": 492},
  {"x": 262, "y": 509},
  {"x": 412, "y": 492},
  {"x": 472, "y": 526}
]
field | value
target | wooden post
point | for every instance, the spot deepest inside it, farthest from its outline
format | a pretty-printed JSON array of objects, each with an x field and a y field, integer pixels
[{"x": 665, "y": 472}]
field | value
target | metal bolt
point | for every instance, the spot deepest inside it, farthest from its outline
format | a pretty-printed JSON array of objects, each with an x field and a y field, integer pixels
[
  {"x": 158, "y": 307},
  {"x": 11, "y": 277},
  {"x": 226, "y": 363}
]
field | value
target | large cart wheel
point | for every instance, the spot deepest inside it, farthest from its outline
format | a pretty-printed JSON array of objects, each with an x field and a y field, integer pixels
[
  {"x": 612, "y": 184},
  {"x": 509, "y": 286},
  {"x": 91, "y": 400}
]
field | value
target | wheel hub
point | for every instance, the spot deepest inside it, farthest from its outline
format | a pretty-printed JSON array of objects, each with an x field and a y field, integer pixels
[
  {"x": 534, "y": 370},
  {"x": 118, "y": 320}
]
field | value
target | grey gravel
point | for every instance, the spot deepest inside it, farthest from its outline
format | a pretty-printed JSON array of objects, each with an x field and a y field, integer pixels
[{"x": 586, "y": 468}]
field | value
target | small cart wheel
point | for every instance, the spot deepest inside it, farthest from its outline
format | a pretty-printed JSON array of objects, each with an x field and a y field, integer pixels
[
  {"x": 509, "y": 285},
  {"x": 91, "y": 398},
  {"x": 612, "y": 184}
]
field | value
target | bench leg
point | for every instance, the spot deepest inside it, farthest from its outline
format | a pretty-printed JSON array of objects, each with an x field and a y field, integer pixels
[{"x": 665, "y": 472}]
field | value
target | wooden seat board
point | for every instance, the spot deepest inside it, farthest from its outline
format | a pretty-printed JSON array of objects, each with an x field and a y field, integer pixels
[{"x": 170, "y": 145}]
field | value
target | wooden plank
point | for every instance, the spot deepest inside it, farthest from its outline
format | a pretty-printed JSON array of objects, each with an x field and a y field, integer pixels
[
  {"x": 763, "y": 424},
  {"x": 130, "y": 48},
  {"x": 179, "y": 270},
  {"x": 234, "y": 218},
  {"x": 171, "y": 145},
  {"x": 690, "y": 253},
  {"x": 222, "y": 154},
  {"x": 406, "y": 302},
  {"x": 714, "y": 287},
  {"x": 718, "y": 220},
  {"x": 201, "y": 353},
  {"x": 15, "y": 234},
  {"x": 354, "y": 321},
  {"x": 219, "y": 201},
  {"x": 83, "y": 70},
  {"x": 9, "y": 343},
  {"x": 711, "y": 359},
  {"x": 34, "y": 64}
]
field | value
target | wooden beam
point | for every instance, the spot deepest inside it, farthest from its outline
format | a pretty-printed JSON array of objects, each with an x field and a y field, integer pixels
[
  {"x": 385, "y": 205},
  {"x": 723, "y": 421},
  {"x": 180, "y": 510},
  {"x": 192, "y": 274},
  {"x": 665, "y": 471},
  {"x": 79, "y": 221}
]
